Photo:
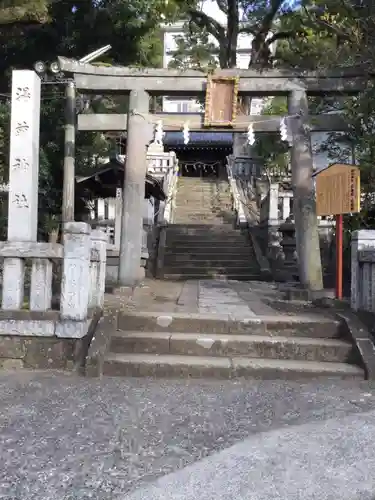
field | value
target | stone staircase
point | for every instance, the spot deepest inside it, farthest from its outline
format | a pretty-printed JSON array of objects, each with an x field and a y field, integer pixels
[
  {"x": 202, "y": 242},
  {"x": 203, "y": 201},
  {"x": 196, "y": 345}
]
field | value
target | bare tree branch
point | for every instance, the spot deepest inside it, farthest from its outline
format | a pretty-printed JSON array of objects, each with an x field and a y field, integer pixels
[
  {"x": 259, "y": 46},
  {"x": 268, "y": 19},
  {"x": 211, "y": 25}
]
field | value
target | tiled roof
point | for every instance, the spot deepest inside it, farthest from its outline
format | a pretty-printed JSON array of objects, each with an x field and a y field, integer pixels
[{"x": 223, "y": 139}]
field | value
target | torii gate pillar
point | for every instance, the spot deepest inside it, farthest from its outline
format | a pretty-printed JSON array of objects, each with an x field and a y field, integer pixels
[
  {"x": 138, "y": 137},
  {"x": 304, "y": 209}
]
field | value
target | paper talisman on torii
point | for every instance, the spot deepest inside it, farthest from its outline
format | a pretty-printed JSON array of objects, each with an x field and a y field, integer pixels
[{"x": 221, "y": 101}]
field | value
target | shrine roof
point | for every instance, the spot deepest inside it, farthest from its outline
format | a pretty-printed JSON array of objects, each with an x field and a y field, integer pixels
[
  {"x": 208, "y": 139},
  {"x": 103, "y": 181}
]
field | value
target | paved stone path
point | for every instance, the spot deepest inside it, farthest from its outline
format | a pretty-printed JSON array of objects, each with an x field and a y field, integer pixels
[
  {"x": 205, "y": 296},
  {"x": 221, "y": 298},
  {"x": 69, "y": 438}
]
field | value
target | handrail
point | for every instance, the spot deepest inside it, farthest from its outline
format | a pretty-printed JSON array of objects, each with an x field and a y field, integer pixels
[{"x": 166, "y": 216}]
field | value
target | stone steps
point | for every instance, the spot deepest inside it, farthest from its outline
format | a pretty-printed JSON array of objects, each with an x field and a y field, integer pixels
[
  {"x": 208, "y": 221},
  {"x": 208, "y": 252},
  {"x": 193, "y": 268},
  {"x": 196, "y": 228},
  {"x": 205, "y": 261},
  {"x": 204, "y": 223},
  {"x": 201, "y": 201},
  {"x": 290, "y": 326},
  {"x": 232, "y": 345},
  {"x": 190, "y": 196},
  {"x": 209, "y": 233},
  {"x": 198, "y": 275},
  {"x": 207, "y": 240},
  {"x": 173, "y": 366},
  {"x": 200, "y": 345},
  {"x": 203, "y": 218}
]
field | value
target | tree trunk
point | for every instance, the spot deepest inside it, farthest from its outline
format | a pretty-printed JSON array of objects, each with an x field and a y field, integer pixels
[{"x": 232, "y": 33}]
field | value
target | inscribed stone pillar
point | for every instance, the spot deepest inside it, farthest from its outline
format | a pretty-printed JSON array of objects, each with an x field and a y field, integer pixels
[
  {"x": 307, "y": 236},
  {"x": 23, "y": 178},
  {"x": 139, "y": 135}
]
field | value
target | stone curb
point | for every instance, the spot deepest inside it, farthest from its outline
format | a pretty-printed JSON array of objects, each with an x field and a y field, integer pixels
[
  {"x": 99, "y": 344},
  {"x": 361, "y": 338},
  {"x": 83, "y": 345}
]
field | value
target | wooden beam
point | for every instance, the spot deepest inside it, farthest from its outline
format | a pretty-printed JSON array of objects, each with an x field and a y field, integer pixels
[
  {"x": 104, "y": 79},
  {"x": 175, "y": 121}
]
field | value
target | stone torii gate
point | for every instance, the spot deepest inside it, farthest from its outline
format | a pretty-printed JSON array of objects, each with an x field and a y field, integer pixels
[{"x": 139, "y": 84}]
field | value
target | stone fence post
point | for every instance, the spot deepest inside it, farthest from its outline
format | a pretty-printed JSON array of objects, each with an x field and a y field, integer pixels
[
  {"x": 362, "y": 239},
  {"x": 76, "y": 272}
]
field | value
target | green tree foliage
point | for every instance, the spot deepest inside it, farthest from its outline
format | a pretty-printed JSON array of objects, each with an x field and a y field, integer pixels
[
  {"x": 34, "y": 30},
  {"x": 24, "y": 12},
  {"x": 194, "y": 51}
]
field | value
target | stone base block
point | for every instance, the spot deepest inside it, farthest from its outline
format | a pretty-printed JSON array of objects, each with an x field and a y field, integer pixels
[
  {"x": 38, "y": 352},
  {"x": 43, "y": 341},
  {"x": 298, "y": 292}
]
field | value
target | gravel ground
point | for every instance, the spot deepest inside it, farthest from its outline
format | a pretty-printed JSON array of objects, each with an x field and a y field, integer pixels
[{"x": 64, "y": 437}]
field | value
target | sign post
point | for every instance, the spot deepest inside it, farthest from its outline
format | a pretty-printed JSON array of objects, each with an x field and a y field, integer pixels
[
  {"x": 339, "y": 252},
  {"x": 338, "y": 192}
]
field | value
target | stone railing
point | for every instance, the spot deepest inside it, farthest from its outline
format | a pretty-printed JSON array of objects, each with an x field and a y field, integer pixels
[
  {"x": 264, "y": 207},
  {"x": 63, "y": 295},
  {"x": 160, "y": 162},
  {"x": 166, "y": 209},
  {"x": 235, "y": 189},
  {"x": 267, "y": 207},
  {"x": 240, "y": 191},
  {"x": 362, "y": 293}
]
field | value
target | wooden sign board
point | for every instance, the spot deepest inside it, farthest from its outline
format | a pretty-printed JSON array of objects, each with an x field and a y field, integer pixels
[
  {"x": 221, "y": 101},
  {"x": 338, "y": 190}
]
